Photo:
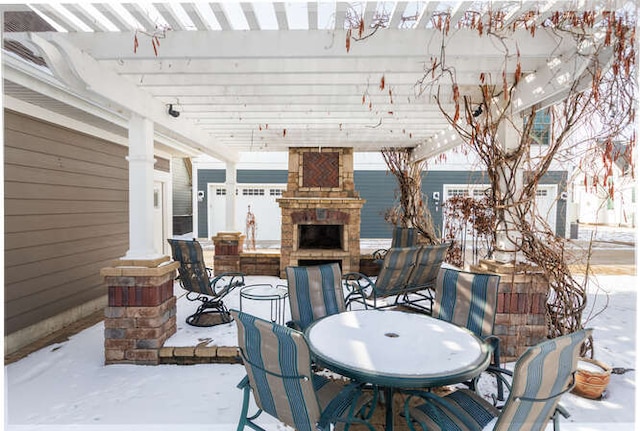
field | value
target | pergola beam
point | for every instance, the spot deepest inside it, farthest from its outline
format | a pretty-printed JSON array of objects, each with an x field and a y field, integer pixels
[{"x": 83, "y": 73}]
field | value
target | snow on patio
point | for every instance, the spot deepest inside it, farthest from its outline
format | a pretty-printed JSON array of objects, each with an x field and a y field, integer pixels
[{"x": 66, "y": 386}]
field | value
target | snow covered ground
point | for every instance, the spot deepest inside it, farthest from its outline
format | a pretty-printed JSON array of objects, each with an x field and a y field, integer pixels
[{"x": 66, "y": 386}]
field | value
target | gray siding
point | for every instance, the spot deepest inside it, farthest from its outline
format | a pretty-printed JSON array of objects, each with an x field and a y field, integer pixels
[
  {"x": 66, "y": 217},
  {"x": 378, "y": 188},
  {"x": 262, "y": 177},
  {"x": 182, "y": 202},
  {"x": 206, "y": 176}
]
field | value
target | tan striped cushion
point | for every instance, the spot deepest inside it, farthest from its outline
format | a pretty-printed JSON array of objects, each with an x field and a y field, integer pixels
[
  {"x": 428, "y": 263},
  {"x": 314, "y": 292},
  {"x": 467, "y": 299},
  {"x": 395, "y": 271}
]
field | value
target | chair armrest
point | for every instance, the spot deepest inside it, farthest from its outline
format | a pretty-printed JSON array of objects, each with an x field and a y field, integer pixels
[
  {"x": 430, "y": 397},
  {"x": 379, "y": 254},
  {"x": 226, "y": 282},
  {"x": 358, "y": 286},
  {"x": 348, "y": 398}
]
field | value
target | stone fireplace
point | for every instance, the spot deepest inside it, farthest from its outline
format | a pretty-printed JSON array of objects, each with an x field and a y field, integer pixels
[{"x": 320, "y": 210}]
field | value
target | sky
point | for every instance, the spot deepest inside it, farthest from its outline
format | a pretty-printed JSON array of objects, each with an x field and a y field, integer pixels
[{"x": 66, "y": 386}]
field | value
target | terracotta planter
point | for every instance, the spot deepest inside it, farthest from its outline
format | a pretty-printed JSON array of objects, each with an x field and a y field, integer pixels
[{"x": 592, "y": 378}]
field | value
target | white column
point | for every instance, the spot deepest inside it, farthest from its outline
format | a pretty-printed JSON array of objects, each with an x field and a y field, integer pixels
[
  {"x": 141, "y": 163},
  {"x": 508, "y": 238},
  {"x": 230, "y": 223}
]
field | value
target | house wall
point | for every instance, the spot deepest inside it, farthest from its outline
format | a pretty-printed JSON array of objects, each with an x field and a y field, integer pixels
[
  {"x": 66, "y": 217},
  {"x": 181, "y": 195},
  {"x": 378, "y": 188},
  {"x": 66, "y": 206}
]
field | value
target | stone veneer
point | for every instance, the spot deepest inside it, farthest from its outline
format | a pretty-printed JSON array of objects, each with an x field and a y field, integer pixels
[
  {"x": 141, "y": 314},
  {"x": 521, "y": 315},
  {"x": 320, "y": 190}
]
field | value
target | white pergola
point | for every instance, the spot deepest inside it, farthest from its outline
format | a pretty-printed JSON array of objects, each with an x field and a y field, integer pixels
[{"x": 262, "y": 76}]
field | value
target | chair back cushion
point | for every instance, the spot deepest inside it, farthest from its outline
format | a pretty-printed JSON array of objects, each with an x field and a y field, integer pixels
[
  {"x": 467, "y": 299},
  {"x": 278, "y": 364},
  {"x": 314, "y": 292},
  {"x": 395, "y": 271},
  {"x": 404, "y": 237},
  {"x": 193, "y": 272},
  {"x": 543, "y": 371},
  {"x": 428, "y": 263}
]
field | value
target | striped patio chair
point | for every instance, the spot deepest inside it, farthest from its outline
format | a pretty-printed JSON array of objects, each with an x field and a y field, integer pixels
[
  {"x": 423, "y": 276},
  {"x": 314, "y": 292},
  {"x": 278, "y": 364},
  {"x": 400, "y": 237},
  {"x": 200, "y": 284},
  {"x": 540, "y": 377},
  {"x": 470, "y": 300}
]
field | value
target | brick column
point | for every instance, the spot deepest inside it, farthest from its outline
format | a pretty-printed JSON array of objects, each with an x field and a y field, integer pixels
[
  {"x": 228, "y": 248},
  {"x": 521, "y": 317},
  {"x": 141, "y": 314}
]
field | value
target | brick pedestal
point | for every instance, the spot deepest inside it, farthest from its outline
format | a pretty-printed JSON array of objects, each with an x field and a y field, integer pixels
[
  {"x": 228, "y": 247},
  {"x": 141, "y": 314},
  {"x": 521, "y": 318}
]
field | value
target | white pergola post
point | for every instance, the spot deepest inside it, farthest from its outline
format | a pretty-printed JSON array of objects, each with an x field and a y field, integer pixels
[
  {"x": 508, "y": 238},
  {"x": 141, "y": 163},
  {"x": 230, "y": 183}
]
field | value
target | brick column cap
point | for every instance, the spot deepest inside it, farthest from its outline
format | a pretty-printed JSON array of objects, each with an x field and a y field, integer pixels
[{"x": 139, "y": 270}]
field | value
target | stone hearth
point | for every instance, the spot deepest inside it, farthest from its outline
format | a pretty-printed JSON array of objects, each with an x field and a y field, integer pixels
[{"x": 320, "y": 210}]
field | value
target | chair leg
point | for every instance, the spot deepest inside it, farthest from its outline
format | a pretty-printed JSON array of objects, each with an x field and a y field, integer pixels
[{"x": 246, "y": 420}]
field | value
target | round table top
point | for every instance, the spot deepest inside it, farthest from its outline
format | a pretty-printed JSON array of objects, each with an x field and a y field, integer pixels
[
  {"x": 395, "y": 348},
  {"x": 264, "y": 291}
]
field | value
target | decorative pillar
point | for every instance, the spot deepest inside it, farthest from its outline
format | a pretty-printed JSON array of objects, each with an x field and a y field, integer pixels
[
  {"x": 228, "y": 248},
  {"x": 521, "y": 315},
  {"x": 141, "y": 161},
  {"x": 141, "y": 314}
]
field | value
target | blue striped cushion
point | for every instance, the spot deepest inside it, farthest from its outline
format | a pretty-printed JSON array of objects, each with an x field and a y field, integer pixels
[
  {"x": 396, "y": 269},
  {"x": 427, "y": 265},
  {"x": 404, "y": 237},
  {"x": 314, "y": 292},
  {"x": 273, "y": 350},
  {"x": 542, "y": 371},
  {"x": 467, "y": 299},
  {"x": 193, "y": 272}
]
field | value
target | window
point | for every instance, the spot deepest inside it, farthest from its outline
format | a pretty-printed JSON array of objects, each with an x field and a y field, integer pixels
[
  {"x": 457, "y": 192},
  {"x": 275, "y": 192},
  {"x": 541, "y": 130},
  {"x": 221, "y": 192},
  {"x": 252, "y": 192}
]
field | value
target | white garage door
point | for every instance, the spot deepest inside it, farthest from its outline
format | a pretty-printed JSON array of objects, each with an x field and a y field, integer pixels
[
  {"x": 261, "y": 198},
  {"x": 545, "y": 198}
]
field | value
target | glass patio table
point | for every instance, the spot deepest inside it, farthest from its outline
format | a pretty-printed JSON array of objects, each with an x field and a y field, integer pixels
[{"x": 397, "y": 350}]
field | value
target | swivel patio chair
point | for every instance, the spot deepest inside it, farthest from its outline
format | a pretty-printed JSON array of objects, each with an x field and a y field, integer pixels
[
  {"x": 314, "y": 292},
  {"x": 200, "y": 284},
  {"x": 278, "y": 364},
  {"x": 540, "y": 377},
  {"x": 470, "y": 300},
  {"x": 407, "y": 278}
]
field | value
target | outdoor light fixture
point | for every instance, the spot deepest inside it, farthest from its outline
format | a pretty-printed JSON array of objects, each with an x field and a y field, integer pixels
[
  {"x": 478, "y": 111},
  {"x": 173, "y": 112}
]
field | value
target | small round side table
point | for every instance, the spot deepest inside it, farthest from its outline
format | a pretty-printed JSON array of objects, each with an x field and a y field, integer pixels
[{"x": 276, "y": 295}]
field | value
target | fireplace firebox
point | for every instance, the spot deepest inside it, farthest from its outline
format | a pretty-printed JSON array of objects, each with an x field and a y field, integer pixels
[{"x": 320, "y": 236}]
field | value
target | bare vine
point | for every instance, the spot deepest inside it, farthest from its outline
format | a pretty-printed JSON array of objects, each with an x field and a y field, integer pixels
[
  {"x": 410, "y": 210},
  {"x": 481, "y": 122}
]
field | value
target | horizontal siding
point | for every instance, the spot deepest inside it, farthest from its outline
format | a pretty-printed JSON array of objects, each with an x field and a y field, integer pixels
[
  {"x": 262, "y": 176},
  {"x": 66, "y": 217},
  {"x": 378, "y": 188},
  {"x": 181, "y": 188},
  {"x": 206, "y": 176}
]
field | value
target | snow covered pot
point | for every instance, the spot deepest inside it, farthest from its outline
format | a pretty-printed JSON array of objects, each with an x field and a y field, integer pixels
[{"x": 592, "y": 378}]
